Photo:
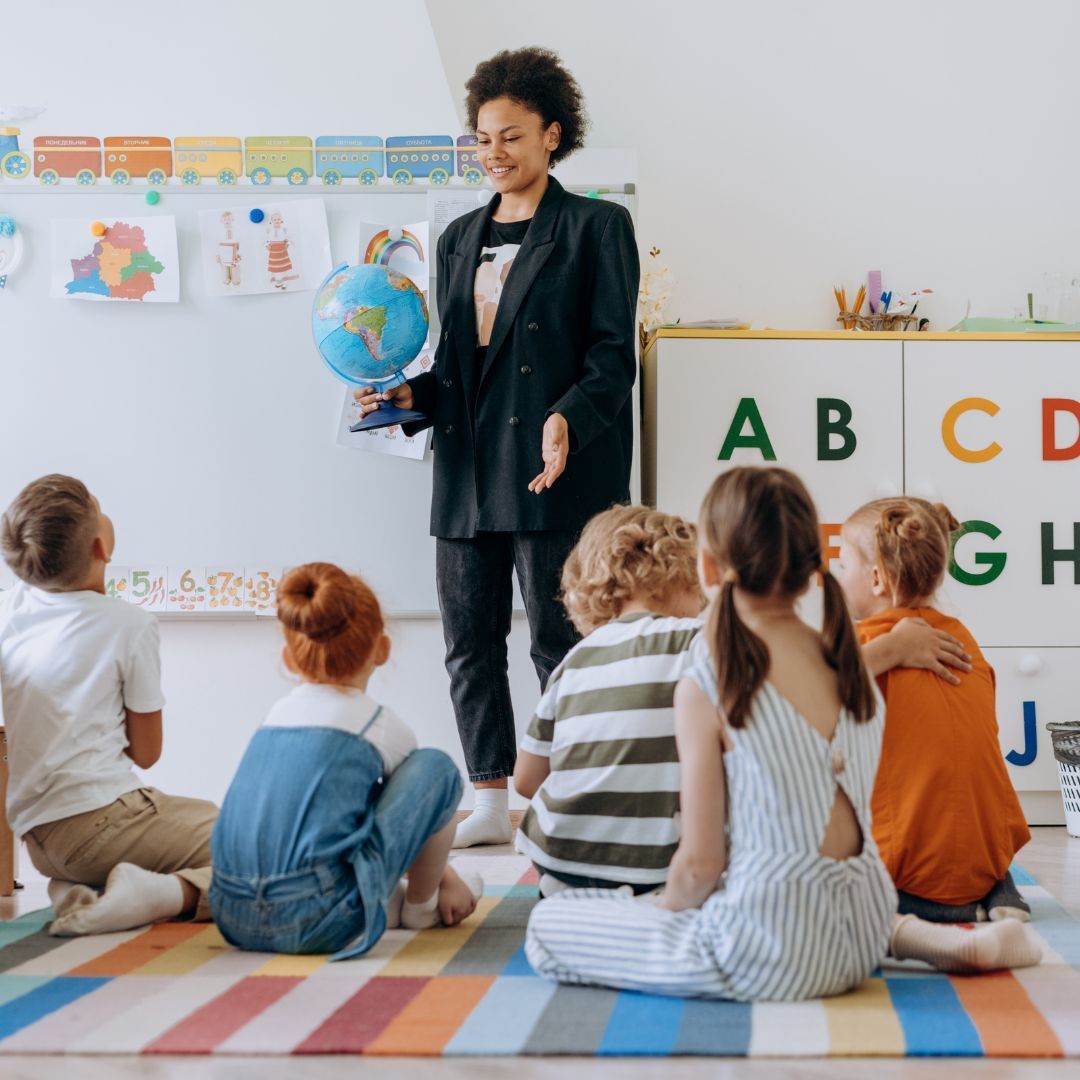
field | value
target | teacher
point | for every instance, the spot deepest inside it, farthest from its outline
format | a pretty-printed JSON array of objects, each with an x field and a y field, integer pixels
[{"x": 530, "y": 398}]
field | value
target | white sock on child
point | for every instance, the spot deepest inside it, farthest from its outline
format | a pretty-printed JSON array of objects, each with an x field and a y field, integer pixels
[
  {"x": 132, "y": 897},
  {"x": 66, "y": 896},
  {"x": 489, "y": 822},
  {"x": 989, "y": 947},
  {"x": 425, "y": 914}
]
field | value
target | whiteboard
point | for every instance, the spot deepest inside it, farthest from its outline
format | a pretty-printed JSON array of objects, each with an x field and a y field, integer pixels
[{"x": 206, "y": 428}]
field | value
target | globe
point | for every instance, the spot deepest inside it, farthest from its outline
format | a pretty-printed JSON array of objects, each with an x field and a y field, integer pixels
[{"x": 369, "y": 322}]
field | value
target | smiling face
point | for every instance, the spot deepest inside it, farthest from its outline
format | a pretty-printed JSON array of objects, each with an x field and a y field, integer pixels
[{"x": 513, "y": 144}]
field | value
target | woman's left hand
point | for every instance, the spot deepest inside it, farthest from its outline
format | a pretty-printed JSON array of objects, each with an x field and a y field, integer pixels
[{"x": 556, "y": 447}]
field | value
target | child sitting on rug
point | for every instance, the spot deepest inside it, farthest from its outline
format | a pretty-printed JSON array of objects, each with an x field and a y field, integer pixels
[
  {"x": 599, "y": 760},
  {"x": 776, "y": 891},
  {"x": 81, "y": 680},
  {"x": 946, "y": 818},
  {"x": 332, "y": 802}
]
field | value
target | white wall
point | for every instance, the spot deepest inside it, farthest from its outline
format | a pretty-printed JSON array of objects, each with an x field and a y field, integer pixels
[
  {"x": 249, "y": 68},
  {"x": 787, "y": 145},
  {"x": 784, "y": 146}
]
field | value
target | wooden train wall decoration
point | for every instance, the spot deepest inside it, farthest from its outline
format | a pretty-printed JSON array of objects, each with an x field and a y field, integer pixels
[{"x": 297, "y": 159}]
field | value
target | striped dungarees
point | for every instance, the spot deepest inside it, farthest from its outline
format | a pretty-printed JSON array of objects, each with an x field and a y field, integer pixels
[{"x": 787, "y": 923}]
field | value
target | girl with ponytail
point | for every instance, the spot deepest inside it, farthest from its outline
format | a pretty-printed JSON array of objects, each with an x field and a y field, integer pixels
[
  {"x": 946, "y": 817},
  {"x": 333, "y": 803},
  {"x": 777, "y": 890}
]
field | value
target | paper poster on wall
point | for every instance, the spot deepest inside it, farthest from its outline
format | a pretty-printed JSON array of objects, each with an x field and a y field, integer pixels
[
  {"x": 286, "y": 250},
  {"x": 445, "y": 206},
  {"x": 123, "y": 259},
  {"x": 404, "y": 248},
  {"x": 388, "y": 440}
]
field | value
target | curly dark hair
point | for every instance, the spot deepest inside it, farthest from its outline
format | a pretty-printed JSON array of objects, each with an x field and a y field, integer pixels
[{"x": 533, "y": 77}]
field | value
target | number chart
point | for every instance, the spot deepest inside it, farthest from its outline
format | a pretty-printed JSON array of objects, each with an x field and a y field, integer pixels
[{"x": 196, "y": 590}]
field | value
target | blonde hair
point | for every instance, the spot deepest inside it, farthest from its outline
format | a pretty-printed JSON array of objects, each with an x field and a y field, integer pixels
[
  {"x": 910, "y": 542},
  {"x": 623, "y": 552},
  {"x": 331, "y": 621},
  {"x": 762, "y": 527}
]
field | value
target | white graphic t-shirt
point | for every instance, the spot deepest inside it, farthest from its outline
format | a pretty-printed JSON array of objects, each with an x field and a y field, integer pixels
[{"x": 502, "y": 243}]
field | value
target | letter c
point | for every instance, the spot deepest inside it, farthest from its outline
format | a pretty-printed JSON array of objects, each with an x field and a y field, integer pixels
[{"x": 948, "y": 430}]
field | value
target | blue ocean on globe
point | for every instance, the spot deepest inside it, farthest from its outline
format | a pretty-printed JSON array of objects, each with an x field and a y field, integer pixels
[{"x": 369, "y": 322}]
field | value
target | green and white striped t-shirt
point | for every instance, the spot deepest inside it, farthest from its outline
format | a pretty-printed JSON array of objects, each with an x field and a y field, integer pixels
[{"x": 608, "y": 809}]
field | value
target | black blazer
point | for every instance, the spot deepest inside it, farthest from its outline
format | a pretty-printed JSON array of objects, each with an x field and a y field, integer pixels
[{"x": 563, "y": 341}]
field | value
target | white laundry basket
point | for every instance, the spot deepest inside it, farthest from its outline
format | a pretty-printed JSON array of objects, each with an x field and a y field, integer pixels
[{"x": 1066, "y": 740}]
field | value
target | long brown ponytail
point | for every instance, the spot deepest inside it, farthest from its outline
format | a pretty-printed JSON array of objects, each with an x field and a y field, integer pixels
[{"x": 761, "y": 526}]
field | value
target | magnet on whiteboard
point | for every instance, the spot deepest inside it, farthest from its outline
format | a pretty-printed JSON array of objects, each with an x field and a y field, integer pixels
[
  {"x": 256, "y": 215},
  {"x": 1029, "y": 665},
  {"x": 395, "y": 234},
  {"x": 925, "y": 491},
  {"x": 97, "y": 228},
  {"x": 152, "y": 198},
  {"x": 887, "y": 489}
]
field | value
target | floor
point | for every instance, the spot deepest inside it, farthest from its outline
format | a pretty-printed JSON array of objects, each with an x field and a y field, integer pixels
[{"x": 1052, "y": 856}]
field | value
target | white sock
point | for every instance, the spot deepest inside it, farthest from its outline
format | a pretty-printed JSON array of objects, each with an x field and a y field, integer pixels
[
  {"x": 132, "y": 897},
  {"x": 489, "y": 822},
  {"x": 66, "y": 896},
  {"x": 425, "y": 914},
  {"x": 989, "y": 947}
]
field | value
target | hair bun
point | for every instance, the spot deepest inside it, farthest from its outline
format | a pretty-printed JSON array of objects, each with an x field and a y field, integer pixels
[
  {"x": 316, "y": 600},
  {"x": 945, "y": 517}
]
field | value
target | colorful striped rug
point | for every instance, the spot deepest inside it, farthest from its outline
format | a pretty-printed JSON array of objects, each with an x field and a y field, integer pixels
[{"x": 179, "y": 989}]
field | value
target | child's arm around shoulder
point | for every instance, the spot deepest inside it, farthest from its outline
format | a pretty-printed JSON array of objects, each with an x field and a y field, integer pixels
[
  {"x": 914, "y": 643},
  {"x": 699, "y": 862}
]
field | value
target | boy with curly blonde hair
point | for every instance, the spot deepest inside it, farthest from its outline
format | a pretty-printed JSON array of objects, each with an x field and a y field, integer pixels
[{"x": 599, "y": 760}]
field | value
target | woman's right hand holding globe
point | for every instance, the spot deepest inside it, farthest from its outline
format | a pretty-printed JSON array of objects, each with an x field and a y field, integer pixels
[{"x": 369, "y": 399}]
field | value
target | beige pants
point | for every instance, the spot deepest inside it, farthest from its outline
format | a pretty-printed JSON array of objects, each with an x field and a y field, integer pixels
[{"x": 164, "y": 833}]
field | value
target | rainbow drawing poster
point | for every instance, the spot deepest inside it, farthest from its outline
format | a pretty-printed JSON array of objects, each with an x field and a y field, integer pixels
[{"x": 405, "y": 248}]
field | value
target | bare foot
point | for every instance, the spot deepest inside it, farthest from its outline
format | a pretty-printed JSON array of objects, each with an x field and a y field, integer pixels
[{"x": 458, "y": 897}]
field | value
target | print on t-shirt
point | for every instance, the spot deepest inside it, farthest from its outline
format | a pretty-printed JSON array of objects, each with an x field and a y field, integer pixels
[{"x": 491, "y": 275}]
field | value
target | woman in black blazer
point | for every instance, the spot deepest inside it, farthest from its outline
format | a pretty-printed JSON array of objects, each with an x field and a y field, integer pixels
[{"x": 530, "y": 399}]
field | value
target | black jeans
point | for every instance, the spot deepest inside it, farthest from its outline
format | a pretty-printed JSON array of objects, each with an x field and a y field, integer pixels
[
  {"x": 474, "y": 578},
  {"x": 1003, "y": 894}
]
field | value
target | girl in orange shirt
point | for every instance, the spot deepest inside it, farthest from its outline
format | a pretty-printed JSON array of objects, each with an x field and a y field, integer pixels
[{"x": 945, "y": 815}]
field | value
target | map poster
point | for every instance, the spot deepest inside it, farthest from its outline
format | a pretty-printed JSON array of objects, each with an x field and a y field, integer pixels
[
  {"x": 134, "y": 259},
  {"x": 286, "y": 250}
]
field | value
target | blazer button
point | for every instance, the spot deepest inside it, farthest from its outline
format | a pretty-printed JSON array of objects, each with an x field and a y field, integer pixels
[
  {"x": 445, "y": 335},
  {"x": 448, "y": 383},
  {"x": 526, "y": 370},
  {"x": 514, "y": 421},
  {"x": 534, "y": 326},
  {"x": 449, "y": 429}
]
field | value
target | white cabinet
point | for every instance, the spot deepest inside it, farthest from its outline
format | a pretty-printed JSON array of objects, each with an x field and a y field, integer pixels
[
  {"x": 975, "y": 440},
  {"x": 773, "y": 392},
  {"x": 990, "y": 427}
]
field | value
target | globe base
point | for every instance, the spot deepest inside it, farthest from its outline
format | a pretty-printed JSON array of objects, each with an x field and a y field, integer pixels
[{"x": 387, "y": 416}]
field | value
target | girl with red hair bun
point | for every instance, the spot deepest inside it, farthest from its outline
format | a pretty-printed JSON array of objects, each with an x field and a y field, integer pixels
[{"x": 333, "y": 803}]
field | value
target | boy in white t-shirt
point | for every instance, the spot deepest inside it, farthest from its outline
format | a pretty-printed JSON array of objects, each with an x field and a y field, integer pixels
[{"x": 80, "y": 675}]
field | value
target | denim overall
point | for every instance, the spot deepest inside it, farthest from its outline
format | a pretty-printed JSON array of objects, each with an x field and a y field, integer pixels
[{"x": 311, "y": 841}]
